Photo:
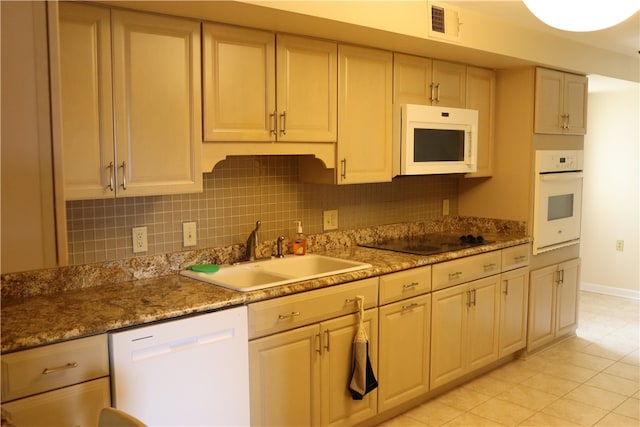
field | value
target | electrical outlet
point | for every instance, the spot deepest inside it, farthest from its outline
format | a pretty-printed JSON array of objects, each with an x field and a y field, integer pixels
[
  {"x": 139, "y": 235},
  {"x": 330, "y": 220},
  {"x": 619, "y": 245},
  {"x": 445, "y": 207},
  {"x": 189, "y": 235}
]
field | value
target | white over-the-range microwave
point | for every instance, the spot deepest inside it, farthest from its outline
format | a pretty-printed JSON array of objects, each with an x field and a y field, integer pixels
[{"x": 434, "y": 140}]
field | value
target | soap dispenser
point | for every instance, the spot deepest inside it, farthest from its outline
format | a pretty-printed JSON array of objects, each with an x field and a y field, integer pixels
[{"x": 300, "y": 242}]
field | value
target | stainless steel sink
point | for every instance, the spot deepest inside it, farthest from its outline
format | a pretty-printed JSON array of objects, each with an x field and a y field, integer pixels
[{"x": 261, "y": 274}]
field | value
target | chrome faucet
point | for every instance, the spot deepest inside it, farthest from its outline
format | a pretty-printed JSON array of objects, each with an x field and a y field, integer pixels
[
  {"x": 279, "y": 254},
  {"x": 252, "y": 243}
]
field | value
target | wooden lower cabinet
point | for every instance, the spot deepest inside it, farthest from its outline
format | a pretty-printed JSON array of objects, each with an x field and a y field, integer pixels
[
  {"x": 405, "y": 337},
  {"x": 553, "y": 302},
  {"x": 514, "y": 299},
  {"x": 464, "y": 329},
  {"x": 300, "y": 377}
]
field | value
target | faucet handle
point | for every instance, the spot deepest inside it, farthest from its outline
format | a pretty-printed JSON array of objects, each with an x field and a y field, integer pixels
[{"x": 279, "y": 253}]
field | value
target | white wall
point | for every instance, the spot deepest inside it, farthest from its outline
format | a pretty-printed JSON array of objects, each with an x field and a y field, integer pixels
[{"x": 611, "y": 188}]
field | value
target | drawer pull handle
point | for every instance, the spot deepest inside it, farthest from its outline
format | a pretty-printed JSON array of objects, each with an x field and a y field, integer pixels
[
  {"x": 69, "y": 365},
  {"x": 289, "y": 316},
  {"x": 410, "y": 285},
  {"x": 489, "y": 266},
  {"x": 456, "y": 275},
  {"x": 350, "y": 301},
  {"x": 520, "y": 258},
  {"x": 409, "y": 306}
]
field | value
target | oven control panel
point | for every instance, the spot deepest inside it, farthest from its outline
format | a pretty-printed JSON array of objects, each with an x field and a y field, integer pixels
[{"x": 559, "y": 161}]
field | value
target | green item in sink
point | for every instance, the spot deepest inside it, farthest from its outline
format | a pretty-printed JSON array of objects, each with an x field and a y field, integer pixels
[{"x": 204, "y": 268}]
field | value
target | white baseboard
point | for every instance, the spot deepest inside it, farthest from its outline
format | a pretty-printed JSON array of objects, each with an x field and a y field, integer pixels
[{"x": 610, "y": 290}]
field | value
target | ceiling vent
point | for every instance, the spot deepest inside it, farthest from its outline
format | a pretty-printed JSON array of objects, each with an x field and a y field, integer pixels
[{"x": 444, "y": 21}]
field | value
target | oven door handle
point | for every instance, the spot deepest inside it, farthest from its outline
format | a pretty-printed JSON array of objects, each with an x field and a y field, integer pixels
[{"x": 564, "y": 176}]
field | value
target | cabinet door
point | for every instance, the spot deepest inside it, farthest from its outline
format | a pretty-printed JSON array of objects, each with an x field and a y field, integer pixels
[
  {"x": 567, "y": 297},
  {"x": 337, "y": 405},
  {"x": 448, "y": 334},
  {"x": 284, "y": 378},
  {"x": 405, "y": 337},
  {"x": 364, "y": 115},
  {"x": 549, "y": 101},
  {"x": 480, "y": 95},
  {"x": 239, "y": 84},
  {"x": 156, "y": 67},
  {"x": 575, "y": 103},
  {"x": 449, "y": 84},
  {"x": 85, "y": 101},
  {"x": 513, "y": 311},
  {"x": 411, "y": 79},
  {"x": 483, "y": 322},
  {"x": 542, "y": 303},
  {"x": 77, "y": 405},
  {"x": 307, "y": 89}
]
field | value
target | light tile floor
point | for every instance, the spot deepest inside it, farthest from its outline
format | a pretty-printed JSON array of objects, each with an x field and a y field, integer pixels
[{"x": 592, "y": 379}]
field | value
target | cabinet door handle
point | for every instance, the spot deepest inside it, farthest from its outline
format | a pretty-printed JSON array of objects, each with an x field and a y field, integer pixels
[
  {"x": 289, "y": 316},
  {"x": 456, "y": 275},
  {"x": 468, "y": 299},
  {"x": 506, "y": 287},
  {"x": 69, "y": 365},
  {"x": 283, "y": 123},
  {"x": 410, "y": 285},
  {"x": 409, "y": 306},
  {"x": 433, "y": 87},
  {"x": 437, "y": 92},
  {"x": 561, "y": 274},
  {"x": 326, "y": 336},
  {"x": 272, "y": 118},
  {"x": 111, "y": 176},
  {"x": 123, "y": 166},
  {"x": 343, "y": 165},
  {"x": 318, "y": 344}
]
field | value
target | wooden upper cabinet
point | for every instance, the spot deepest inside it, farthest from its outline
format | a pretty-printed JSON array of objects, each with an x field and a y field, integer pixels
[
  {"x": 149, "y": 140},
  {"x": 480, "y": 95},
  {"x": 364, "y": 108},
  {"x": 257, "y": 90},
  {"x": 86, "y": 101},
  {"x": 560, "y": 103},
  {"x": 426, "y": 81}
]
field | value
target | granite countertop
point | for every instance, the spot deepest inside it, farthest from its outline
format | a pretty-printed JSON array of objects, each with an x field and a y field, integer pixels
[{"x": 46, "y": 319}]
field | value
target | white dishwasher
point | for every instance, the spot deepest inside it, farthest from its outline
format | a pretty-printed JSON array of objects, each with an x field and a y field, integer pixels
[{"x": 186, "y": 372}]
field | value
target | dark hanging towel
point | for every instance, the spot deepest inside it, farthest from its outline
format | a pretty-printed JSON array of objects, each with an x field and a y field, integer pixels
[{"x": 363, "y": 379}]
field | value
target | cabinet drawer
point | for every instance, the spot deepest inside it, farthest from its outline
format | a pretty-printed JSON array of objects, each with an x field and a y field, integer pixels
[
  {"x": 405, "y": 284},
  {"x": 515, "y": 257},
  {"x": 268, "y": 317},
  {"x": 53, "y": 366},
  {"x": 462, "y": 270}
]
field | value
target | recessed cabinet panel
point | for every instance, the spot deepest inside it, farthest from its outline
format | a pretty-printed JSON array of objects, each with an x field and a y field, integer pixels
[
  {"x": 513, "y": 310},
  {"x": 560, "y": 103},
  {"x": 239, "y": 84},
  {"x": 480, "y": 95}
]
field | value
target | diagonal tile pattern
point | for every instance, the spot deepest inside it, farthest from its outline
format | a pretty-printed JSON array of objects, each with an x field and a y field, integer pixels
[{"x": 592, "y": 379}]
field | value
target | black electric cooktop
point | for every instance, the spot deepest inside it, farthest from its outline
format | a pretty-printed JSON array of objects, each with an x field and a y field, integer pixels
[{"x": 428, "y": 244}]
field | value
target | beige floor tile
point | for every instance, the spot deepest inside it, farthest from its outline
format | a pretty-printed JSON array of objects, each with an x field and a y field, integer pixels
[
  {"x": 503, "y": 412},
  {"x": 528, "y": 397},
  {"x": 571, "y": 372},
  {"x": 632, "y": 358},
  {"x": 463, "y": 399},
  {"x": 551, "y": 384},
  {"x": 576, "y": 412},
  {"x": 433, "y": 413},
  {"x": 577, "y": 358},
  {"x": 607, "y": 350},
  {"x": 471, "y": 420},
  {"x": 615, "y": 420},
  {"x": 624, "y": 370},
  {"x": 514, "y": 372},
  {"x": 489, "y": 385},
  {"x": 545, "y": 420},
  {"x": 629, "y": 408},
  {"x": 401, "y": 421},
  {"x": 614, "y": 383},
  {"x": 596, "y": 397}
]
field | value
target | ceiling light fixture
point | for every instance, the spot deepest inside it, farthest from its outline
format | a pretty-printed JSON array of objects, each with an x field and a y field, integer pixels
[{"x": 581, "y": 15}]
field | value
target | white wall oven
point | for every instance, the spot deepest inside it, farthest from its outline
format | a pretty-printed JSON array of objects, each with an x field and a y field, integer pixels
[{"x": 558, "y": 199}]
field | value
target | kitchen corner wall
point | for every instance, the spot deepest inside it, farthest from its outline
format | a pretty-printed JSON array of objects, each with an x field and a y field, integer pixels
[{"x": 239, "y": 191}]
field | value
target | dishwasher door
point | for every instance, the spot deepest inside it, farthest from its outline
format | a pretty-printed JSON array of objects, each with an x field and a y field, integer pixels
[{"x": 186, "y": 372}]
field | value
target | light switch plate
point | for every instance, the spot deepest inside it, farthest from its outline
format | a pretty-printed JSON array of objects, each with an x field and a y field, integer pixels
[{"x": 189, "y": 234}]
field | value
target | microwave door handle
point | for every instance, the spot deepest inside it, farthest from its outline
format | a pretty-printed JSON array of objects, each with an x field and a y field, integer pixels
[{"x": 567, "y": 176}]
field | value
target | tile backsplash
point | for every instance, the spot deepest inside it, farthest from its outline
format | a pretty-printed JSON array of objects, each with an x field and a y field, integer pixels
[{"x": 237, "y": 193}]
